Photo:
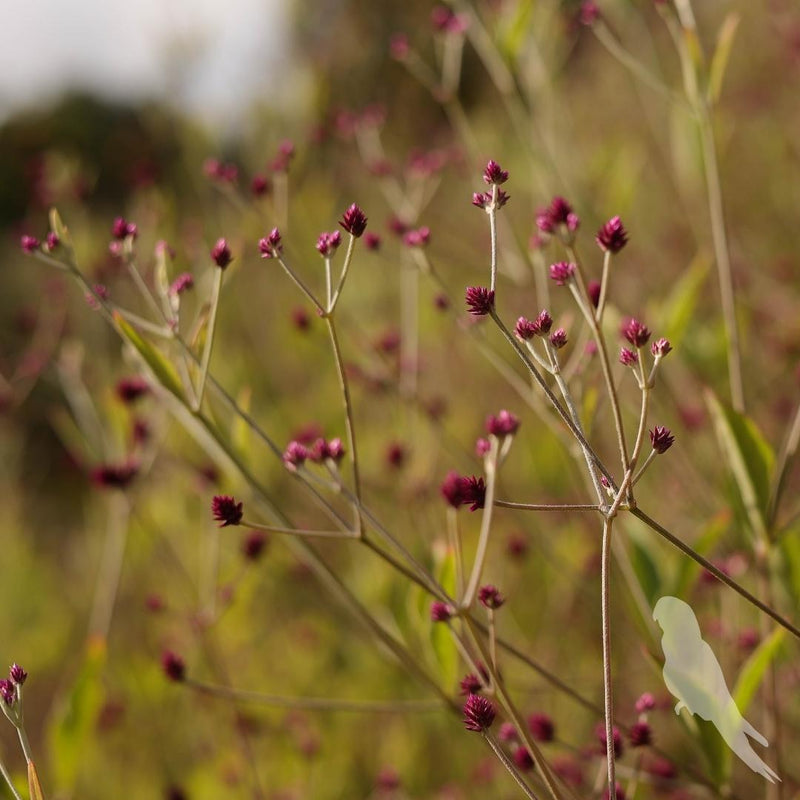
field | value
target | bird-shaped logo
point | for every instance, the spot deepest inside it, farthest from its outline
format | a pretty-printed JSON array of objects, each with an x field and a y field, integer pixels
[{"x": 693, "y": 675}]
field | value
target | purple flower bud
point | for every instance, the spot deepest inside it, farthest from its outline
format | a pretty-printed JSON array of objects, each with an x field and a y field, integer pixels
[
  {"x": 260, "y": 185},
  {"x": 562, "y": 271},
  {"x": 542, "y": 323},
  {"x": 271, "y": 246},
  {"x": 444, "y": 20},
  {"x": 641, "y": 734},
  {"x": 600, "y": 730},
  {"x": 29, "y": 243},
  {"x": 473, "y": 492},
  {"x": 221, "y": 253},
  {"x": 8, "y": 692},
  {"x": 328, "y": 242},
  {"x": 612, "y": 236},
  {"x": 173, "y": 665},
  {"x": 589, "y": 13},
  {"x": 628, "y": 357},
  {"x": 479, "y": 713},
  {"x": 482, "y": 447},
  {"x": 114, "y": 476},
  {"x": 470, "y": 684},
  {"x": 398, "y": 46},
  {"x": 660, "y": 347},
  {"x": 541, "y": 727},
  {"x": 661, "y": 438},
  {"x": 294, "y": 455},
  {"x": 17, "y": 674},
  {"x": 51, "y": 242},
  {"x": 480, "y": 300},
  {"x": 524, "y": 329},
  {"x": 182, "y": 283},
  {"x": 440, "y": 612},
  {"x": 558, "y": 338},
  {"x": 226, "y": 510},
  {"x": 129, "y": 390},
  {"x": 491, "y": 597},
  {"x": 354, "y": 221},
  {"x": 253, "y": 545},
  {"x": 417, "y": 238},
  {"x": 507, "y": 732},
  {"x": 635, "y": 332},
  {"x": 451, "y": 489},
  {"x": 523, "y": 759},
  {"x": 121, "y": 228},
  {"x": 646, "y": 702},
  {"x": 494, "y": 174},
  {"x": 372, "y": 241},
  {"x": 593, "y": 289},
  {"x": 504, "y": 424}
]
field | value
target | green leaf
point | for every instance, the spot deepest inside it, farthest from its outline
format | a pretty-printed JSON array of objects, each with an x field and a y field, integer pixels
[
  {"x": 153, "y": 357},
  {"x": 510, "y": 41},
  {"x": 755, "y": 668},
  {"x": 444, "y": 647},
  {"x": 75, "y": 720},
  {"x": 715, "y": 750},
  {"x": 678, "y": 309},
  {"x": 750, "y": 457},
  {"x": 722, "y": 52},
  {"x": 645, "y": 567}
]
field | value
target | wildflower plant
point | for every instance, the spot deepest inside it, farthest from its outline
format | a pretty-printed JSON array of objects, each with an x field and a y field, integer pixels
[{"x": 578, "y": 373}]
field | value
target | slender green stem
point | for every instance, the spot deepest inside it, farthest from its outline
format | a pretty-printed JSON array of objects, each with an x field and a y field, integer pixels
[
  {"x": 348, "y": 410},
  {"x": 328, "y": 282},
  {"x": 608, "y": 695},
  {"x": 144, "y": 291},
  {"x": 787, "y": 453},
  {"x": 549, "y": 506},
  {"x": 343, "y": 277},
  {"x": 486, "y": 524},
  {"x": 601, "y": 303},
  {"x": 650, "y": 456},
  {"x": 209, "y": 343},
  {"x": 493, "y": 235},
  {"x": 509, "y": 765},
  {"x": 7, "y": 778},
  {"x": 715, "y": 571},
  {"x": 454, "y": 533},
  {"x": 298, "y": 281}
]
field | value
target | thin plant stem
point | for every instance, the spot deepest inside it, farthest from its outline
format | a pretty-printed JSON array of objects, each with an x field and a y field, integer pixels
[
  {"x": 650, "y": 456},
  {"x": 492, "y": 640},
  {"x": 787, "y": 452},
  {"x": 409, "y": 321},
  {"x": 601, "y": 303},
  {"x": 486, "y": 523},
  {"x": 548, "y": 506},
  {"x": 715, "y": 571},
  {"x": 493, "y": 235},
  {"x": 315, "y": 703},
  {"x": 608, "y": 696},
  {"x": 144, "y": 291},
  {"x": 298, "y": 281},
  {"x": 7, "y": 778},
  {"x": 348, "y": 257},
  {"x": 209, "y": 343},
  {"x": 348, "y": 407},
  {"x": 454, "y": 533},
  {"x": 509, "y": 765},
  {"x": 328, "y": 282}
]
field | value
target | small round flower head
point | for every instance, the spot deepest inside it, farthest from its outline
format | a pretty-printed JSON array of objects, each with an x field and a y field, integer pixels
[
  {"x": 589, "y": 12},
  {"x": 270, "y": 246},
  {"x": 173, "y": 665},
  {"x": 661, "y": 768},
  {"x": 260, "y": 185},
  {"x": 641, "y": 734},
  {"x": 542, "y": 323},
  {"x": 503, "y": 424},
  {"x": 328, "y": 242},
  {"x": 473, "y": 492},
  {"x": 660, "y": 347},
  {"x": 507, "y": 732},
  {"x": 8, "y": 692},
  {"x": 517, "y": 546},
  {"x": 336, "y": 450},
  {"x": 558, "y": 338},
  {"x": 29, "y": 243},
  {"x": 396, "y": 454},
  {"x": 470, "y": 684},
  {"x": 17, "y": 675},
  {"x": 440, "y": 612},
  {"x": 491, "y": 597},
  {"x": 451, "y": 489},
  {"x": 612, "y": 236},
  {"x": 561, "y": 272},
  {"x": 645, "y": 703},
  {"x": 494, "y": 175},
  {"x": 661, "y": 438},
  {"x": 480, "y": 300},
  {"x": 482, "y": 447},
  {"x": 388, "y": 780},
  {"x": 294, "y": 455},
  {"x": 221, "y": 253},
  {"x": 372, "y": 241},
  {"x": 541, "y": 727},
  {"x": 524, "y": 329},
  {"x": 253, "y": 545},
  {"x": 444, "y": 20},
  {"x": 226, "y": 510},
  {"x": 441, "y": 302},
  {"x": 398, "y": 46},
  {"x": 593, "y": 289},
  {"x": 558, "y": 213},
  {"x": 418, "y": 237},
  {"x": 354, "y": 221},
  {"x": 600, "y": 730},
  {"x": 129, "y": 390},
  {"x": 182, "y": 283},
  {"x": 635, "y": 332},
  {"x": 747, "y": 639},
  {"x": 51, "y": 242},
  {"x": 523, "y": 759},
  {"x": 284, "y": 156},
  {"x": 114, "y": 476},
  {"x": 484, "y": 199},
  {"x": 628, "y": 357},
  {"x": 121, "y": 229},
  {"x": 479, "y": 713}
]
